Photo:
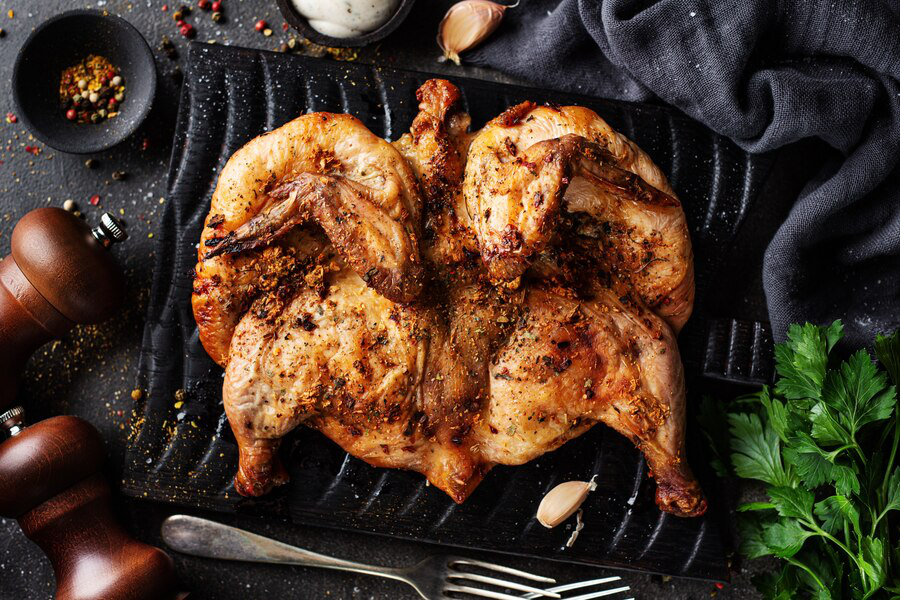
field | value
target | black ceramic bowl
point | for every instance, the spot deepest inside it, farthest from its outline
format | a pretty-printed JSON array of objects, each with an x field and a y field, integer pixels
[
  {"x": 296, "y": 20},
  {"x": 63, "y": 41}
]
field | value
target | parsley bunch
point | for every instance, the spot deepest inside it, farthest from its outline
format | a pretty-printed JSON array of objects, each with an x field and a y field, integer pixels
[{"x": 824, "y": 440}]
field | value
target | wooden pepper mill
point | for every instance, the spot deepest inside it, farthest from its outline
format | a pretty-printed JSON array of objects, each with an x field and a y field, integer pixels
[{"x": 59, "y": 274}]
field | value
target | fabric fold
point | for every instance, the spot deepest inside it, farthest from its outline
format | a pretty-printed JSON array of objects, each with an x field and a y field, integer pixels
[{"x": 765, "y": 74}]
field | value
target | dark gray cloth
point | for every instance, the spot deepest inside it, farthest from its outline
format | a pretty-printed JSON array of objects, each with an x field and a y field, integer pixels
[{"x": 765, "y": 74}]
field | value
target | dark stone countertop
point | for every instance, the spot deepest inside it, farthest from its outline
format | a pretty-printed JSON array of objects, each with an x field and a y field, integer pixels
[{"x": 92, "y": 372}]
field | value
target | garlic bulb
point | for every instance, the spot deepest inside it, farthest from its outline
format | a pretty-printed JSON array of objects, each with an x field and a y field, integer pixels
[
  {"x": 563, "y": 500},
  {"x": 467, "y": 24}
]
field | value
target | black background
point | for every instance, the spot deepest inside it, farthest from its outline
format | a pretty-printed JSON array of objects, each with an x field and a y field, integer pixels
[{"x": 91, "y": 373}]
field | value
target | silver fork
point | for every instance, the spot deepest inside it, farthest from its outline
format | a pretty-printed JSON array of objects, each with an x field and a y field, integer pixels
[
  {"x": 434, "y": 578},
  {"x": 586, "y": 584}
]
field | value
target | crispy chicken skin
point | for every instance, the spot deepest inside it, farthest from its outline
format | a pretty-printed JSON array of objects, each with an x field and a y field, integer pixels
[
  {"x": 471, "y": 370},
  {"x": 533, "y": 162}
]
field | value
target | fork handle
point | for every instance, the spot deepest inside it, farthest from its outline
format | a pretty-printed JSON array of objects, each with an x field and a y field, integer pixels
[{"x": 201, "y": 537}]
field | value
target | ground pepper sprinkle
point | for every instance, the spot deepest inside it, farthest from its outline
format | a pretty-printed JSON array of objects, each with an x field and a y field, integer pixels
[{"x": 91, "y": 91}]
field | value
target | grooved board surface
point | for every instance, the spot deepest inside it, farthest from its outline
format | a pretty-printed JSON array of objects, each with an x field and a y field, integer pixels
[{"x": 186, "y": 455}]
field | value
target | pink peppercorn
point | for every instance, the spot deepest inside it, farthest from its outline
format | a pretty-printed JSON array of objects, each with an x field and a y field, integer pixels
[
  {"x": 71, "y": 114},
  {"x": 217, "y": 6},
  {"x": 261, "y": 24}
]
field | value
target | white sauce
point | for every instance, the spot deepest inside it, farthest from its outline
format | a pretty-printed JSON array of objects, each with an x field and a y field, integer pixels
[{"x": 346, "y": 18}]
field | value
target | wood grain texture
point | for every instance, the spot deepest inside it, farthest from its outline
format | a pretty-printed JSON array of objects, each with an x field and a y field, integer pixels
[{"x": 50, "y": 481}]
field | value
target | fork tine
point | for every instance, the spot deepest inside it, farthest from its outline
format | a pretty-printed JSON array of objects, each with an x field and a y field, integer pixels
[
  {"x": 600, "y": 594},
  {"x": 504, "y": 584},
  {"x": 577, "y": 586},
  {"x": 583, "y": 584},
  {"x": 500, "y": 569},
  {"x": 463, "y": 589}
]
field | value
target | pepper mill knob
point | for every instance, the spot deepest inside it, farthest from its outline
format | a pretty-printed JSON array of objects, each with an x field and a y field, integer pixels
[
  {"x": 60, "y": 274},
  {"x": 109, "y": 231}
]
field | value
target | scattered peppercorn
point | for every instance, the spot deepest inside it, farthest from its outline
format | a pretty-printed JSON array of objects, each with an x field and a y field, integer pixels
[
  {"x": 216, "y": 16},
  {"x": 203, "y": 4},
  {"x": 217, "y": 6},
  {"x": 136, "y": 394},
  {"x": 119, "y": 175},
  {"x": 261, "y": 25},
  {"x": 145, "y": 144},
  {"x": 2, "y": 33},
  {"x": 86, "y": 89},
  {"x": 69, "y": 205},
  {"x": 95, "y": 200},
  {"x": 11, "y": 118},
  {"x": 90, "y": 163},
  {"x": 187, "y": 30}
]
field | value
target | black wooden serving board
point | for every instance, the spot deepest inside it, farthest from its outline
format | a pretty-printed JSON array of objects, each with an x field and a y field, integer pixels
[{"x": 183, "y": 452}]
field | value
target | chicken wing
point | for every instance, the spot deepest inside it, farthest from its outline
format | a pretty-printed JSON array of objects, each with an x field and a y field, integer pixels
[{"x": 322, "y": 168}]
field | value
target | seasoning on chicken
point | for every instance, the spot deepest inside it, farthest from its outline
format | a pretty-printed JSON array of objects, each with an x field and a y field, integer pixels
[{"x": 478, "y": 362}]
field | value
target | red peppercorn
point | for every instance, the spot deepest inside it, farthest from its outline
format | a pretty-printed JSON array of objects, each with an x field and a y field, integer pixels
[
  {"x": 71, "y": 114},
  {"x": 95, "y": 200},
  {"x": 261, "y": 24},
  {"x": 180, "y": 23},
  {"x": 203, "y": 4},
  {"x": 11, "y": 118},
  {"x": 187, "y": 30},
  {"x": 217, "y": 6},
  {"x": 285, "y": 26},
  {"x": 165, "y": 7}
]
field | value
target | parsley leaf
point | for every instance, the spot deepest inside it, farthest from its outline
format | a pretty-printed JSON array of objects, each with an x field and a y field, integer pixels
[
  {"x": 892, "y": 500},
  {"x": 887, "y": 349},
  {"x": 792, "y": 502},
  {"x": 836, "y": 510},
  {"x": 858, "y": 393},
  {"x": 802, "y": 360},
  {"x": 785, "y": 538},
  {"x": 757, "y": 452}
]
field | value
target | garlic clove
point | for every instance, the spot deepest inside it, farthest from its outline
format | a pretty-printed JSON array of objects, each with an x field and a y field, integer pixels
[
  {"x": 467, "y": 24},
  {"x": 562, "y": 501}
]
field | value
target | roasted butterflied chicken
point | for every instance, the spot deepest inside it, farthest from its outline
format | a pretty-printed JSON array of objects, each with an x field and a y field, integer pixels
[{"x": 452, "y": 301}]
